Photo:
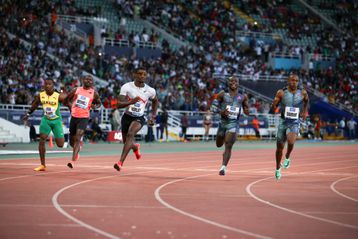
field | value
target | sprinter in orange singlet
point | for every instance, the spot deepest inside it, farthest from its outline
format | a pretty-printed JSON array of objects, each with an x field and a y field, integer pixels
[{"x": 81, "y": 100}]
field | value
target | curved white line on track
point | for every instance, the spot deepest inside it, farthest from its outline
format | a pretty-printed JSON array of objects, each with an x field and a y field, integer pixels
[
  {"x": 158, "y": 197},
  {"x": 69, "y": 216},
  {"x": 339, "y": 193},
  {"x": 74, "y": 219},
  {"x": 248, "y": 190}
]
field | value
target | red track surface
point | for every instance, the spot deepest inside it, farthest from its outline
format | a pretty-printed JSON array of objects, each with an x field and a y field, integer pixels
[{"x": 181, "y": 195}]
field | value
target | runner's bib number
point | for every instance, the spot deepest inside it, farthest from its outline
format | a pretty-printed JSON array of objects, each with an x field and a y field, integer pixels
[
  {"x": 82, "y": 102},
  {"x": 50, "y": 112},
  {"x": 233, "y": 111},
  {"x": 137, "y": 109},
  {"x": 292, "y": 112}
]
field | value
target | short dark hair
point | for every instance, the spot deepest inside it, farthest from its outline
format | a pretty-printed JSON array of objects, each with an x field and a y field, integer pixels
[{"x": 141, "y": 68}]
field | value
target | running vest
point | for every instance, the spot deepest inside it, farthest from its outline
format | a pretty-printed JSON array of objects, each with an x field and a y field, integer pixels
[
  {"x": 131, "y": 91},
  {"x": 50, "y": 105},
  {"x": 233, "y": 105},
  {"x": 82, "y": 102},
  {"x": 291, "y": 105}
]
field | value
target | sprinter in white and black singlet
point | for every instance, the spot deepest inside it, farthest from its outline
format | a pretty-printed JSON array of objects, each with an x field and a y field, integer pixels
[{"x": 134, "y": 96}]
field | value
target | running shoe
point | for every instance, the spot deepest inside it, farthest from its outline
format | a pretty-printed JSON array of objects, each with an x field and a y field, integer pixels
[
  {"x": 286, "y": 163},
  {"x": 118, "y": 166},
  {"x": 278, "y": 174},
  {"x": 222, "y": 171},
  {"x": 70, "y": 165},
  {"x": 40, "y": 168},
  {"x": 137, "y": 153}
]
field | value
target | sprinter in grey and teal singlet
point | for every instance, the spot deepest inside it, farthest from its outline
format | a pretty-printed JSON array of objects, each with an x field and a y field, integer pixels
[
  {"x": 290, "y": 108},
  {"x": 233, "y": 105},
  {"x": 293, "y": 106},
  {"x": 230, "y": 105}
]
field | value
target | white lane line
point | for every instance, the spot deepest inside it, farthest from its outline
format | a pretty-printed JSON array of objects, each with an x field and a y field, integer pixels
[
  {"x": 329, "y": 213},
  {"x": 112, "y": 206},
  {"x": 249, "y": 191},
  {"x": 341, "y": 194},
  {"x": 74, "y": 219},
  {"x": 158, "y": 197},
  {"x": 80, "y": 206}
]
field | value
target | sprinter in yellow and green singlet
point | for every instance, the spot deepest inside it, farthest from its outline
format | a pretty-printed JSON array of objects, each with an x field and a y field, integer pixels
[{"x": 51, "y": 120}]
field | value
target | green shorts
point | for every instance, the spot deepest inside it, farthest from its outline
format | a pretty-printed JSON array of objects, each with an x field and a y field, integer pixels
[{"x": 55, "y": 126}]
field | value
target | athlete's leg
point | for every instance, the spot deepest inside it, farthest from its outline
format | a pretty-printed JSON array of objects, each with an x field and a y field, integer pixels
[
  {"x": 45, "y": 130},
  {"x": 72, "y": 140},
  {"x": 280, "y": 145},
  {"x": 134, "y": 127},
  {"x": 291, "y": 139},
  {"x": 57, "y": 130},
  {"x": 60, "y": 142},
  {"x": 73, "y": 130},
  {"x": 230, "y": 139},
  {"x": 281, "y": 139},
  {"x": 76, "y": 145},
  {"x": 42, "y": 148},
  {"x": 220, "y": 136}
]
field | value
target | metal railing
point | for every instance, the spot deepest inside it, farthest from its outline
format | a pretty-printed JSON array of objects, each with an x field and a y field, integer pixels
[
  {"x": 250, "y": 77},
  {"x": 141, "y": 44},
  {"x": 274, "y": 36}
]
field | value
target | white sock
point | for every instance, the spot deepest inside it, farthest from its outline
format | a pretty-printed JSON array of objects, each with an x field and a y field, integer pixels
[{"x": 223, "y": 167}]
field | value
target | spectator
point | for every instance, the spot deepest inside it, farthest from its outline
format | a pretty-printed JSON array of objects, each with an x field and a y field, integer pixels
[
  {"x": 207, "y": 123},
  {"x": 351, "y": 128},
  {"x": 115, "y": 120},
  {"x": 184, "y": 126},
  {"x": 256, "y": 125}
]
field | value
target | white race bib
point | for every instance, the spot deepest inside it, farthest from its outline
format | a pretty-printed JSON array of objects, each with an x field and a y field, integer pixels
[
  {"x": 233, "y": 111},
  {"x": 137, "y": 109},
  {"x": 50, "y": 112},
  {"x": 82, "y": 102},
  {"x": 292, "y": 112}
]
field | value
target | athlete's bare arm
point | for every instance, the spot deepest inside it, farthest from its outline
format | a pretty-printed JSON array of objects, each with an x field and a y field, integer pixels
[
  {"x": 276, "y": 101},
  {"x": 62, "y": 97},
  {"x": 69, "y": 98},
  {"x": 96, "y": 103},
  {"x": 224, "y": 113},
  {"x": 124, "y": 102},
  {"x": 305, "y": 105},
  {"x": 245, "y": 105},
  {"x": 35, "y": 103},
  {"x": 154, "y": 110}
]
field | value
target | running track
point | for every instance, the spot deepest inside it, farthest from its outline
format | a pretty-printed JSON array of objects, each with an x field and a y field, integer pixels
[{"x": 179, "y": 194}]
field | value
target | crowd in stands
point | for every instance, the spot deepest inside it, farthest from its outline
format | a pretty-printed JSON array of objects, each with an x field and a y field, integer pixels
[{"x": 184, "y": 78}]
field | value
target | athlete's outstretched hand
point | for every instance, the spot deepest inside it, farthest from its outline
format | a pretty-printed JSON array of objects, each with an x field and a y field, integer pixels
[
  {"x": 151, "y": 122},
  {"x": 225, "y": 113},
  {"x": 25, "y": 117}
]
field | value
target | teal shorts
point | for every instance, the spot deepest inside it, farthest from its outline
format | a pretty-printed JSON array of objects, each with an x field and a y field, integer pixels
[
  {"x": 55, "y": 126},
  {"x": 228, "y": 126},
  {"x": 284, "y": 128}
]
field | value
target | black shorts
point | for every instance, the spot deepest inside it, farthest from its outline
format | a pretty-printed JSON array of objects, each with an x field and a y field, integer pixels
[
  {"x": 127, "y": 120},
  {"x": 78, "y": 123}
]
